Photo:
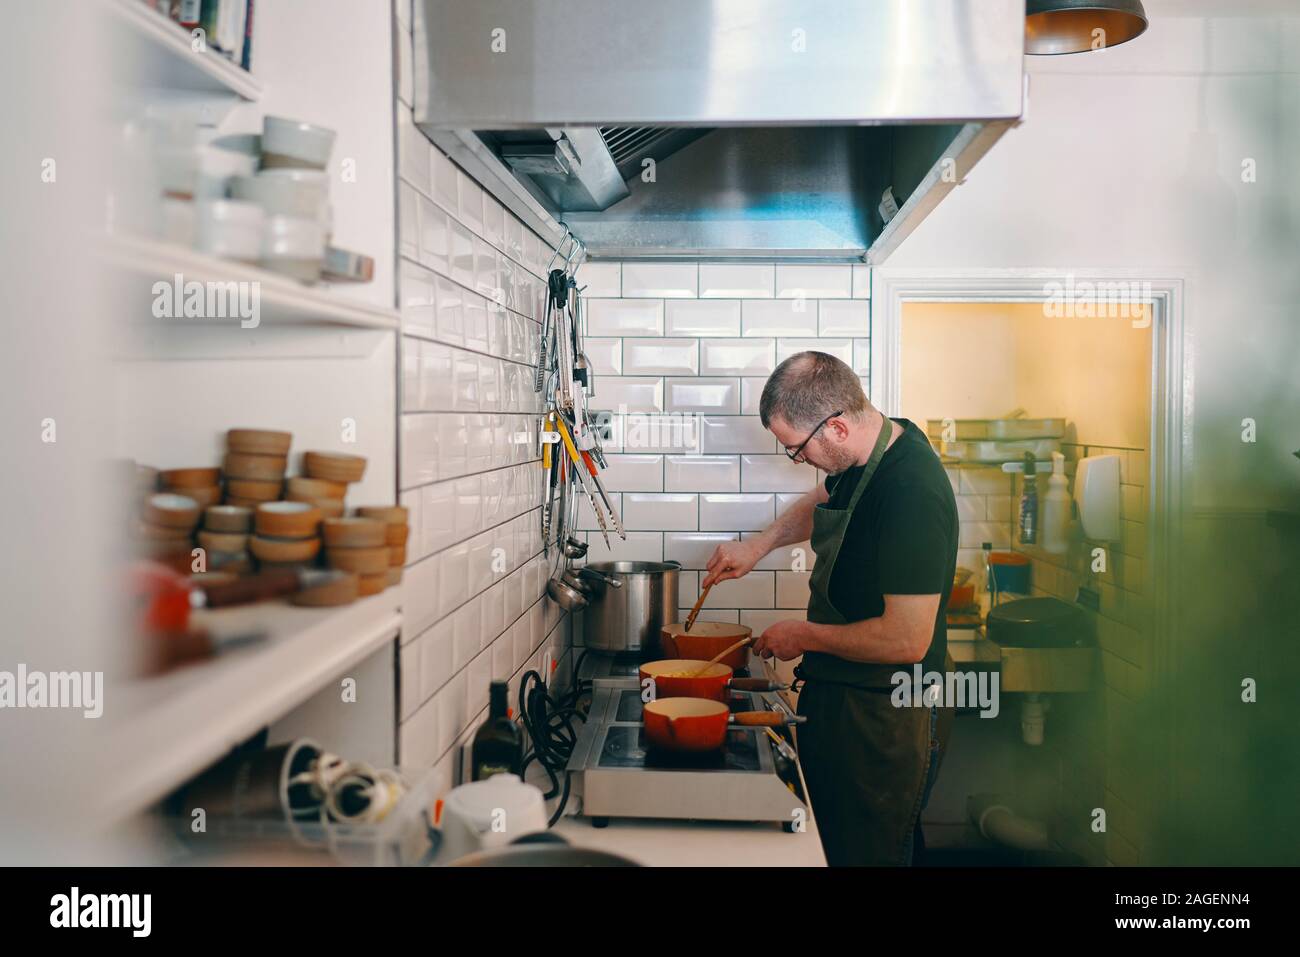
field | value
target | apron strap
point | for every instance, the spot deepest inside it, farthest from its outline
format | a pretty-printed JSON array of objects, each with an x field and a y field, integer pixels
[{"x": 877, "y": 453}]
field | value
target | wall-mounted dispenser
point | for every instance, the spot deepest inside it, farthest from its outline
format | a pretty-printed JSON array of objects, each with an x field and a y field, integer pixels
[{"x": 1096, "y": 490}]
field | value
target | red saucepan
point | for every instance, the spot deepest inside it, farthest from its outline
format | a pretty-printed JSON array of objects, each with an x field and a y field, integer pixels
[
  {"x": 696, "y": 725},
  {"x": 704, "y": 640},
  {"x": 675, "y": 678}
]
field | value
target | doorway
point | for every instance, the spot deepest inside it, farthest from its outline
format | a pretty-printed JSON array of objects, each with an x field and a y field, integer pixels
[{"x": 1104, "y": 353}]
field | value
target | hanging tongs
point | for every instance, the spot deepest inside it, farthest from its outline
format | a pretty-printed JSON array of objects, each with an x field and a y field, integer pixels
[
  {"x": 567, "y": 441},
  {"x": 557, "y": 299}
]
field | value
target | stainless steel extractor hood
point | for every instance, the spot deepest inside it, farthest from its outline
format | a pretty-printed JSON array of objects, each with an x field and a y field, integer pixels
[{"x": 822, "y": 129}]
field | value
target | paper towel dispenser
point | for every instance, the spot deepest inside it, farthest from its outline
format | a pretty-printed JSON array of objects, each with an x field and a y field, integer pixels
[{"x": 1096, "y": 490}]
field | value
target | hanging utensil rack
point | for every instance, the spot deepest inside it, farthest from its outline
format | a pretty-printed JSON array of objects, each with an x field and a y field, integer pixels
[{"x": 571, "y": 451}]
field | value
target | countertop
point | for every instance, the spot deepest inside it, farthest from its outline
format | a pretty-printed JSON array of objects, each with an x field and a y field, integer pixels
[{"x": 663, "y": 842}]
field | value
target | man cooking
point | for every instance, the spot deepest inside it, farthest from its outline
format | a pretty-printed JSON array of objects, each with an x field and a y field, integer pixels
[{"x": 884, "y": 531}]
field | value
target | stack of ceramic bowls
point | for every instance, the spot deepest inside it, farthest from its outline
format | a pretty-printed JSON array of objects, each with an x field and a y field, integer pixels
[
  {"x": 396, "y": 532},
  {"x": 224, "y": 537},
  {"x": 255, "y": 463},
  {"x": 357, "y": 545},
  {"x": 285, "y": 534}
]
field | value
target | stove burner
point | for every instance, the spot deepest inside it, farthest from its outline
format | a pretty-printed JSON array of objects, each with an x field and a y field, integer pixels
[{"x": 625, "y": 747}]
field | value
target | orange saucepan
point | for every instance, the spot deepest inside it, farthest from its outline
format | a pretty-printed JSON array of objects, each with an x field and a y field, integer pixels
[
  {"x": 696, "y": 725},
  {"x": 706, "y": 639},
  {"x": 676, "y": 678}
]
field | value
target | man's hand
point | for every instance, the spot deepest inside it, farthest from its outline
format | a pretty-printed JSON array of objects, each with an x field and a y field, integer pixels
[
  {"x": 731, "y": 560},
  {"x": 784, "y": 640}
]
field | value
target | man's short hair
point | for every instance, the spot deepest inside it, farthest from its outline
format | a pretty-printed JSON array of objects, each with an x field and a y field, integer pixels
[{"x": 809, "y": 386}]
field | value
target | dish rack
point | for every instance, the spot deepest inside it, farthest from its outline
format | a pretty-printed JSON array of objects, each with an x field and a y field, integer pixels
[{"x": 401, "y": 839}]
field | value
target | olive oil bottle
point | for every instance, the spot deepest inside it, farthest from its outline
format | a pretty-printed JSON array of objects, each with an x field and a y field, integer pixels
[{"x": 498, "y": 745}]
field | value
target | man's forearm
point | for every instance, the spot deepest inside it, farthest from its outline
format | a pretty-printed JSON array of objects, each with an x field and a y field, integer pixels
[
  {"x": 871, "y": 640},
  {"x": 791, "y": 526}
]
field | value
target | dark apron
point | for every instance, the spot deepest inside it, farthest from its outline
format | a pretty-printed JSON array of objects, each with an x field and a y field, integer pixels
[{"x": 866, "y": 762}]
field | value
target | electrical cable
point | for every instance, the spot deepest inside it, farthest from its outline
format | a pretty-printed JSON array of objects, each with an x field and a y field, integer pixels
[{"x": 551, "y": 732}]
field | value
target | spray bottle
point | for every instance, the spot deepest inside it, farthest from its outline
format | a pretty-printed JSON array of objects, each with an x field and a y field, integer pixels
[
  {"x": 1029, "y": 503},
  {"x": 1056, "y": 508}
]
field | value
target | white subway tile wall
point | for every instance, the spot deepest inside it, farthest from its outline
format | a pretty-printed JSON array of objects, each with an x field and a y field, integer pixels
[
  {"x": 473, "y": 591},
  {"x": 697, "y": 317},
  {"x": 691, "y": 346}
]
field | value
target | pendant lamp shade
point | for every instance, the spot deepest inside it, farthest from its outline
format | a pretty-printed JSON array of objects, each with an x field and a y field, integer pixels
[{"x": 1078, "y": 26}]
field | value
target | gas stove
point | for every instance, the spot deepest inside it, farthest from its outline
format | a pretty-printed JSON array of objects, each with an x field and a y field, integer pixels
[{"x": 752, "y": 778}]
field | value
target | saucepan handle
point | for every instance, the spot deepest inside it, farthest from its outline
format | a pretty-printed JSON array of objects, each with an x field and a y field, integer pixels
[
  {"x": 758, "y": 684},
  {"x": 765, "y": 719},
  {"x": 608, "y": 580}
]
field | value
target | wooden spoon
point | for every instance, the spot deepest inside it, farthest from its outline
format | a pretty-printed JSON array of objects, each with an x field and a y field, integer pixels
[
  {"x": 720, "y": 655},
  {"x": 699, "y": 602}
]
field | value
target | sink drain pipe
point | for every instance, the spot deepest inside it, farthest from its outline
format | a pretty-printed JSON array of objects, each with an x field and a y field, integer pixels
[{"x": 1001, "y": 825}]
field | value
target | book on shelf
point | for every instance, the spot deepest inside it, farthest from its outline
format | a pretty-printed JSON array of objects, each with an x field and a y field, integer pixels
[{"x": 227, "y": 25}]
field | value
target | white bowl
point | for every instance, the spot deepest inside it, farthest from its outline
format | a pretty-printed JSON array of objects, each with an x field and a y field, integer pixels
[
  {"x": 294, "y": 246},
  {"x": 285, "y": 192},
  {"x": 292, "y": 143},
  {"x": 230, "y": 229}
]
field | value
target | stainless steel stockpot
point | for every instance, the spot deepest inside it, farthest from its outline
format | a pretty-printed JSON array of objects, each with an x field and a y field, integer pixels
[{"x": 629, "y": 619}]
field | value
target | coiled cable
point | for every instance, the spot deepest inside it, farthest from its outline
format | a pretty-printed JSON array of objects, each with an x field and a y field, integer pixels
[{"x": 552, "y": 733}]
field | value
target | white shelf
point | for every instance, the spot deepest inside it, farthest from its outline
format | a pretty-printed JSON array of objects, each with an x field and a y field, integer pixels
[
  {"x": 159, "y": 49},
  {"x": 168, "y": 728},
  {"x": 282, "y": 299}
]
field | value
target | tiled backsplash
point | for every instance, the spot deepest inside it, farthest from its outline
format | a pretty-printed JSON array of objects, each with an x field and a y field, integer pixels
[
  {"x": 471, "y": 294},
  {"x": 680, "y": 353},
  {"x": 984, "y": 497}
]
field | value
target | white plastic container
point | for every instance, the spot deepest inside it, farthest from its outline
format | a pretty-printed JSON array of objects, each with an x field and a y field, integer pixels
[
  {"x": 230, "y": 229},
  {"x": 1055, "y": 509}
]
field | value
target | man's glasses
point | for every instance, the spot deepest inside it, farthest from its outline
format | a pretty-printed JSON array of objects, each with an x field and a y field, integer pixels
[{"x": 794, "y": 456}]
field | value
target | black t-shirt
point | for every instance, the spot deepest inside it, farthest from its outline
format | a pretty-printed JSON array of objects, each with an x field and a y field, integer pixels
[{"x": 901, "y": 540}]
